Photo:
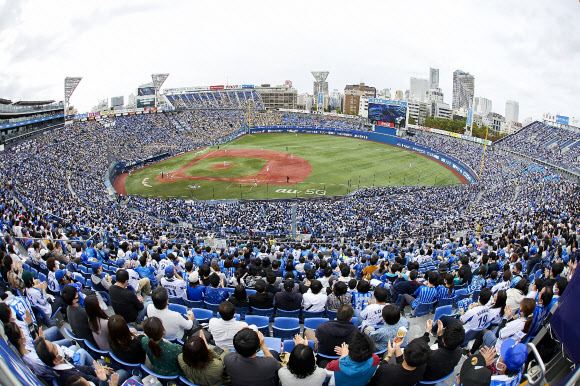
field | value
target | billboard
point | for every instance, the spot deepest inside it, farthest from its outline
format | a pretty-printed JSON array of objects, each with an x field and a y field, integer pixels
[
  {"x": 469, "y": 120},
  {"x": 145, "y": 102},
  {"x": 221, "y": 87},
  {"x": 320, "y": 99},
  {"x": 388, "y": 115},
  {"x": 562, "y": 119},
  {"x": 144, "y": 91}
]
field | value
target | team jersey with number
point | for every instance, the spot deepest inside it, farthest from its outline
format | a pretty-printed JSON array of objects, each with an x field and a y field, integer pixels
[
  {"x": 476, "y": 318},
  {"x": 175, "y": 287}
]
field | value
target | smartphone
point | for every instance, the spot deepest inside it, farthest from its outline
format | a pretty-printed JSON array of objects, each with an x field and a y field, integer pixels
[{"x": 218, "y": 350}]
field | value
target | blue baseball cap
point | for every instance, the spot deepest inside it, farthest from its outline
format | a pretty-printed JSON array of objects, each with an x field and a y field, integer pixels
[
  {"x": 59, "y": 274},
  {"x": 89, "y": 243},
  {"x": 120, "y": 262},
  {"x": 514, "y": 354},
  {"x": 95, "y": 266},
  {"x": 169, "y": 270}
]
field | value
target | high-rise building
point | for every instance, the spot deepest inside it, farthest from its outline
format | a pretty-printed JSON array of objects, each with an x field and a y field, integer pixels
[
  {"x": 434, "y": 95},
  {"x": 512, "y": 111},
  {"x": 398, "y": 95},
  {"x": 304, "y": 102},
  {"x": 418, "y": 89},
  {"x": 463, "y": 87},
  {"x": 278, "y": 97},
  {"x": 433, "y": 78},
  {"x": 352, "y": 95},
  {"x": 418, "y": 111},
  {"x": 117, "y": 102},
  {"x": 482, "y": 106}
]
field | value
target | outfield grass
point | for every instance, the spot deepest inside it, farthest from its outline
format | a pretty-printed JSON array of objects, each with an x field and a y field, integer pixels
[{"x": 339, "y": 166}]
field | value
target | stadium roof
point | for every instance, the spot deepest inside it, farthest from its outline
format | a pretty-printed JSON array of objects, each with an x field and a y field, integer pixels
[
  {"x": 32, "y": 103},
  {"x": 5, "y": 101}
]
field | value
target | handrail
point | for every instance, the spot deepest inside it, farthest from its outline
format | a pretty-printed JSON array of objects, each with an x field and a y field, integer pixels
[{"x": 537, "y": 378}]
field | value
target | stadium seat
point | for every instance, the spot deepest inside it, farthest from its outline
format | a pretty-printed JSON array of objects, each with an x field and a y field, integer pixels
[
  {"x": 242, "y": 311},
  {"x": 269, "y": 312},
  {"x": 445, "y": 302},
  {"x": 80, "y": 342},
  {"x": 288, "y": 314},
  {"x": 165, "y": 380},
  {"x": 202, "y": 315},
  {"x": 288, "y": 345},
  {"x": 34, "y": 272},
  {"x": 312, "y": 314},
  {"x": 80, "y": 278},
  {"x": 286, "y": 328},
  {"x": 105, "y": 296},
  {"x": 42, "y": 277},
  {"x": 262, "y": 322},
  {"x": 331, "y": 314},
  {"x": 184, "y": 382},
  {"x": 442, "y": 310},
  {"x": 178, "y": 308},
  {"x": 471, "y": 335},
  {"x": 475, "y": 296},
  {"x": 193, "y": 303},
  {"x": 132, "y": 368},
  {"x": 212, "y": 307},
  {"x": 97, "y": 353},
  {"x": 424, "y": 308},
  {"x": 399, "y": 298},
  {"x": 354, "y": 320},
  {"x": 176, "y": 300},
  {"x": 312, "y": 323}
]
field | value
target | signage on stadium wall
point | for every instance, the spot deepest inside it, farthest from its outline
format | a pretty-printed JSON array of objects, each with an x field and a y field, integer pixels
[
  {"x": 387, "y": 102},
  {"x": 31, "y": 121},
  {"x": 385, "y": 124},
  {"x": 562, "y": 119},
  {"x": 450, "y": 134},
  {"x": 247, "y": 86},
  {"x": 221, "y": 87},
  {"x": 232, "y": 86},
  {"x": 450, "y": 161}
]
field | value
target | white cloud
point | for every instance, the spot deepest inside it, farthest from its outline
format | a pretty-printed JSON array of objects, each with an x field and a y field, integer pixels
[{"x": 525, "y": 51}]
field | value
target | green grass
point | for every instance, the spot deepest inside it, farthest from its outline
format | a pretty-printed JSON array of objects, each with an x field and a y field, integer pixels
[{"x": 339, "y": 166}]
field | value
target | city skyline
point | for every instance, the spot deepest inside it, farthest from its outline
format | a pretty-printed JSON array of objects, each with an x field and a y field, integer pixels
[{"x": 116, "y": 46}]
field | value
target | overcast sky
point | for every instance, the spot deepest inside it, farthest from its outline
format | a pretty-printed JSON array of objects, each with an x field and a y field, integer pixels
[{"x": 528, "y": 51}]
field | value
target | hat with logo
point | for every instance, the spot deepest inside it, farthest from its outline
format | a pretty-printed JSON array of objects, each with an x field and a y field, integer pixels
[
  {"x": 514, "y": 354},
  {"x": 474, "y": 373}
]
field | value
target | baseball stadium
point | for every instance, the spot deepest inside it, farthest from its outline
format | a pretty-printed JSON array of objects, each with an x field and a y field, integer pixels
[{"x": 201, "y": 231}]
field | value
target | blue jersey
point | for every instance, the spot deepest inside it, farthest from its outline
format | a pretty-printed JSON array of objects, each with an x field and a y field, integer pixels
[
  {"x": 20, "y": 305},
  {"x": 424, "y": 294},
  {"x": 360, "y": 300}
]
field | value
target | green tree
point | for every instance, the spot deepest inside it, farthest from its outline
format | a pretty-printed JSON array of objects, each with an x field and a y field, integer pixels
[
  {"x": 412, "y": 121},
  {"x": 338, "y": 110}
]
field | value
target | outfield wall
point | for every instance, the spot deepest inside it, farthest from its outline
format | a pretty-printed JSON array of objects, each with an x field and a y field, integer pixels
[{"x": 450, "y": 161}]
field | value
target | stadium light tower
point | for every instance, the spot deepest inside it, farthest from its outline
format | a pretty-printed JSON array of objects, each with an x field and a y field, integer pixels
[
  {"x": 320, "y": 78},
  {"x": 158, "y": 80},
  {"x": 70, "y": 84}
]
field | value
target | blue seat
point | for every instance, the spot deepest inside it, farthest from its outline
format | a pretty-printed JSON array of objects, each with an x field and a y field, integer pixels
[
  {"x": 250, "y": 291},
  {"x": 193, "y": 303},
  {"x": 269, "y": 312},
  {"x": 531, "y": 278},
  {"x": 380, "y": 353},
  {"x": 82, "y": 268},
  {"x": 424, "y": 308},
  {"x": 132, "y": 368},
  {"x": 290, "y": 314},
  {"x": 331, "y": 314},
  {"x": 286, "y": 328},
  {"x": 312, "y": 314},
  {"x": 165, "y": 380},
  {"x": 89, "y": 283},
  {"x": 354, "y": 320},
  {"x": 475, "y": 296},
  {"x": 81, "y": 342},
  {"x": 80, "y": 278},
  {"x": 442, "y": 310},
  {"x": 262, "y": 322},
  {"x": 242, "y": 311},
  {"x": 176, "y": 300},
  {"x": 399, "y": 298},
  {"x": 184, "y": 382},
  {"x": 236, "y": 316},
  {"x": 470, "y": 335},
  {"x": 212, "y": 307},
  {"x": 97, "y": 353},
  {"x": 42, "y": 277},
  {"x": 34, "y": 272},
  {"x": 437, "y": 381},
  {"x": 328, "y": 357},
  {"x": 272, "y": 344},
  {"x": 26, "y": 267},
  {"x": 202, "y": 315},
  {"x": 312, "y": 323},
  {"x": 445, "y": 302},
  {"x": 288, "y": 345},
  {"x": 178, "y": 308}
]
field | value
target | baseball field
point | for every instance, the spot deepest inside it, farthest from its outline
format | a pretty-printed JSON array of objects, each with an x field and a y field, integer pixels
[{"x": 266, "y": 166}]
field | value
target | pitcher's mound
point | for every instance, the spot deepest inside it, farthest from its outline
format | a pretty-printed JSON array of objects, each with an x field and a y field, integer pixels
[{"x": 221, "y": 166}]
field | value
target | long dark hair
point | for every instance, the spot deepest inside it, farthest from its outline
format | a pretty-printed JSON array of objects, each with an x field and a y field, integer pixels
[
  {"x": 153, "y": 328},
  {"x": 119, "y": 334},
  {"x": 527, "y": 306},
  {"x": 195, "y": 353},
  {"x": 302, "y": 362},
  {"x": 94, "y": 312},
  {"x": 240, "y": 293},
  {"x": 501, "y": 301}
]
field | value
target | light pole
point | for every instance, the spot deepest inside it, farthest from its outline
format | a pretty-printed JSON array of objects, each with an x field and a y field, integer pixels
[
  {"x": 70, "y": 84},
  {"x": 158, "y": 80}
]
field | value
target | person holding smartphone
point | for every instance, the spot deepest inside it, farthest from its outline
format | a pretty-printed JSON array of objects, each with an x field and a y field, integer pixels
[{"x": 203, "y": 364}]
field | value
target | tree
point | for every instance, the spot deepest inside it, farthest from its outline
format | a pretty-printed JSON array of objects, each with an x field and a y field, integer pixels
[
  {"x": 338, "y": 110},
  {"x": 412, "y": 121}
]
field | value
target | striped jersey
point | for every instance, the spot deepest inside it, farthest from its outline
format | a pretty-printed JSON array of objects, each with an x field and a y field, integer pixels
[{"x": 425, "y": 294}]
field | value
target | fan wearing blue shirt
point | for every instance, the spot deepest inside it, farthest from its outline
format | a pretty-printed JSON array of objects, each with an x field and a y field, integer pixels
[{"x": 423, "y": 294}]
